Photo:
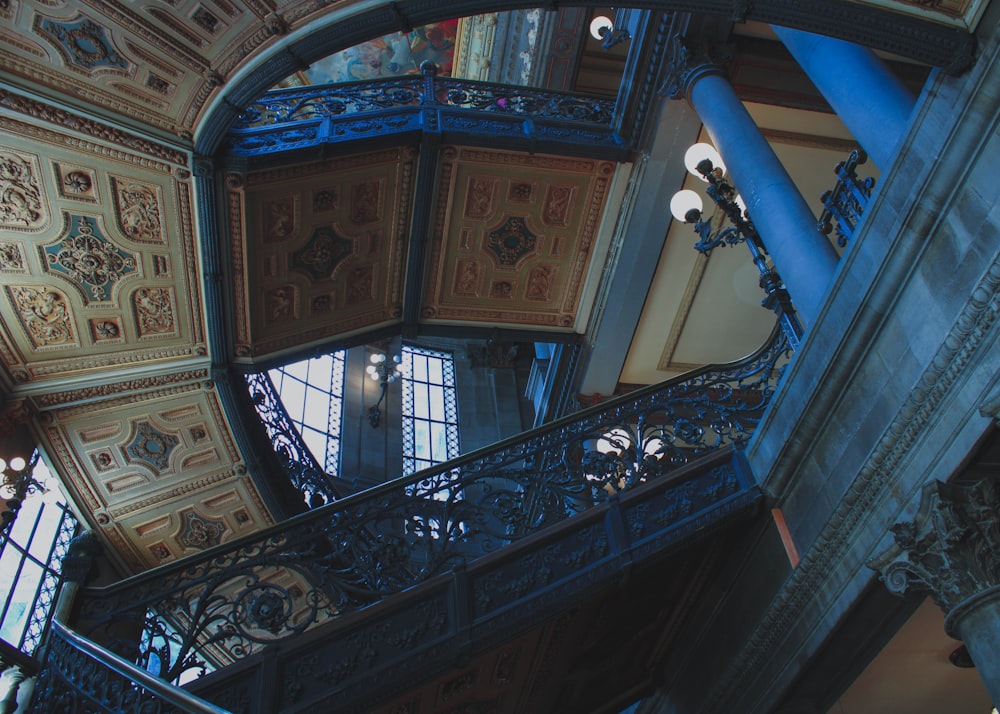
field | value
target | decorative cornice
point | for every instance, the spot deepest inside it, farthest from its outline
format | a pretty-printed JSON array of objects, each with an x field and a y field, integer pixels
[
  {"x": 951, "y": 548},
  {"x": 73, "y": 122}
]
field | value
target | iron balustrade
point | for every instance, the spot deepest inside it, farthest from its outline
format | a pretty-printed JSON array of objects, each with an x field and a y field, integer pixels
[
  {"x": 80, "y": 676},
  {"x": 305, "y": 473},
  {"x": 290, "y": 118},
  {"x": 845, "y": 203},
  {"x": 230, "y": 602}
]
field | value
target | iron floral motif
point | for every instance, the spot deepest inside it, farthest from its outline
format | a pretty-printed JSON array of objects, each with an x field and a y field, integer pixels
[{"x": 89, "y": 260}]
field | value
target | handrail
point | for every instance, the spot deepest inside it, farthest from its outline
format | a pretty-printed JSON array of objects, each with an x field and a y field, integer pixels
[
  {"x": 80, "y": 657},
  {"x": 237, "y": 597}
]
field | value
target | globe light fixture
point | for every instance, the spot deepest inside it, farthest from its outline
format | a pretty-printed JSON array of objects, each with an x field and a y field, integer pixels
[
  {"x": 600, "y": 26},
  {"x": 732, "y": 227}
]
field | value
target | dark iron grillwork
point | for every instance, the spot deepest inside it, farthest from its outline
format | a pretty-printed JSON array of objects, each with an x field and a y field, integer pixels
[
  {"x": 79, "y": 677},
  {"x": 291, "y": 118},
  {"x": 846, "y": 202},
  {"x": 238, "y": 597},
  {"x": 306, "y": 475}
]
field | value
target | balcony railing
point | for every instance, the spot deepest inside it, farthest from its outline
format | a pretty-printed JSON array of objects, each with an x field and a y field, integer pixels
[
  {"x": 202, "y": 613},
  {"x": 294, "y": 118}
]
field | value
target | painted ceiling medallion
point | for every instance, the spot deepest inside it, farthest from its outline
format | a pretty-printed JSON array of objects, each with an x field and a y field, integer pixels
[
  {"x": 151, "y": 446},
  {"x": 83, "y": 43},
  {"x": 199, "y": 532},
  {"x": 511, "y": 241},
  {"x": 89, "y": 260},
  {"x": 323, "y": 253}
]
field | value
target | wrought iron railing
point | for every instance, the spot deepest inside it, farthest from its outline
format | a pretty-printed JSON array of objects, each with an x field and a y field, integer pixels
[
  {"x": 236, "y": 598},
  {"x": 845, "y": 203},
  {"x": 305, "y": 473},
  {"x": 80, "y": 676},
  {"x": 287, "y": 118}
]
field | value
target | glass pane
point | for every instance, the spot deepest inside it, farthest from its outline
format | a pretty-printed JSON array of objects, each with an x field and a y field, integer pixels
[
  {"x": 436, "y": 399},
  {"x": 24, "y": 526},
  {"x": 419, "y": 368},
  {"x": 434, "y": 371},
  {"x": 299, "y": 370},
  {"x": 420, "y": 410},
  {"x": 293, "y": 395},
  {"x": 439, "y": 448},
  {"x": 421, "y": 440},
  {"x": 316, "y": 410}
]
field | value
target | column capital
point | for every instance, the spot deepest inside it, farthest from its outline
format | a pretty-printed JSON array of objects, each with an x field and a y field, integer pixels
[
  {"x": 951, "y": 548},
  {"x": 688, "y": 61}
]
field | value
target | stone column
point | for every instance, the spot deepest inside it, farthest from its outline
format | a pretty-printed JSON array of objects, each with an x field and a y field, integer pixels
[
  {"x": 802, "y": 255},
  {"x": 951, "y": 551},
  {"x": 871, "y": 101}
]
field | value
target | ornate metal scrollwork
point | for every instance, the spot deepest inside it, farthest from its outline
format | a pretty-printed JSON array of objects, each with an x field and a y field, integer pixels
[
  {"x": 305, "y": 473},
  {"x": 845, "y": 203},
  {"x": 226, "y": 604},
  {"x": 284, "y": 119}
]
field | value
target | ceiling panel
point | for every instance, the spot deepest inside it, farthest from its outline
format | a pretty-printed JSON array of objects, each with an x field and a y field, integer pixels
[
  {"x": 319, "y": 249},
  {"x": 513, "y": 237}
]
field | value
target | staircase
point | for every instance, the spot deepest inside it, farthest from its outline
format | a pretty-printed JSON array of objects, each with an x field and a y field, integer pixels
[{"x": 542, "y": 574}]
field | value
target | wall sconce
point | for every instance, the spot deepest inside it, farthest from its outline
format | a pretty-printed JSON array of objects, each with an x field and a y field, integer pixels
[
  {"x": 704, "y": 162},
  {"x": 17, "y": 484},
  {"x": 384, "y": 371},
  {"x": 602, "y": 28}
]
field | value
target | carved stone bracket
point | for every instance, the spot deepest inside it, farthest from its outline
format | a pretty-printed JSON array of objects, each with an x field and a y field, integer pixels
[{"x": 951, "y": 549}]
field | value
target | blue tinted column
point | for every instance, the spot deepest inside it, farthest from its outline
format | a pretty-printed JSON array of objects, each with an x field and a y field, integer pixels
[{"x": 871, "y": 101}]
